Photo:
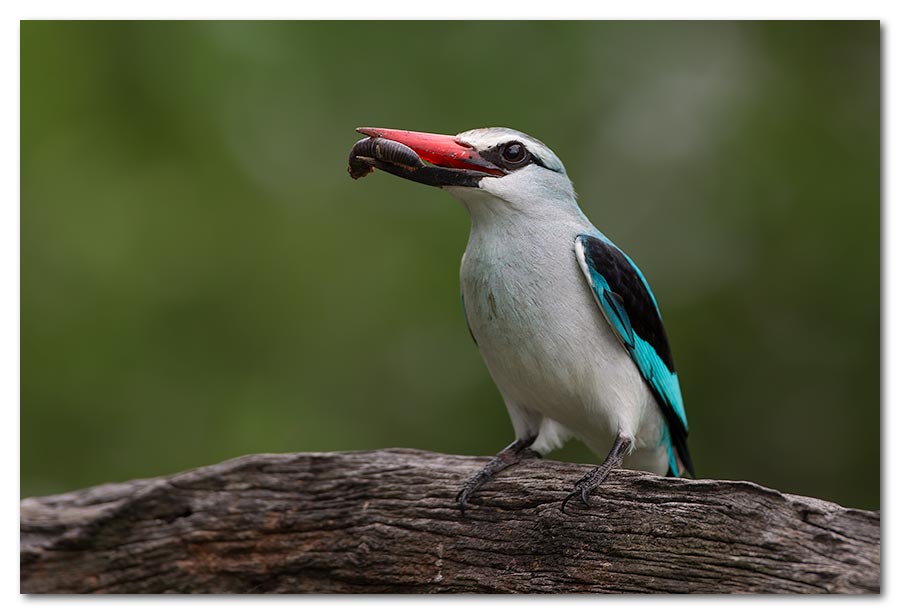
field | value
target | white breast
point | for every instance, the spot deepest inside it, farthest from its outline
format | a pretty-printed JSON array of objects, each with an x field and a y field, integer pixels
[{"x": 545, "y": 341}]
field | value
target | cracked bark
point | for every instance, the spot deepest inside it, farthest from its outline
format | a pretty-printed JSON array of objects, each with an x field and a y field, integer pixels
[{"x": 385, "y": 521}]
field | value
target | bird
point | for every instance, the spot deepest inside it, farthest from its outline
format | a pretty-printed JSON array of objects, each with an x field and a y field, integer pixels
[{"x": 564, "y": 320}]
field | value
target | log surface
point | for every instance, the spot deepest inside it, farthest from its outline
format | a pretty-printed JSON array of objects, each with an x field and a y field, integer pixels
[{"x": 385, "y": 521}]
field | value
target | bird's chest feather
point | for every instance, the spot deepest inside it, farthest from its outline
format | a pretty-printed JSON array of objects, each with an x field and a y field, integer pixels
[
  {"x": 528, "y": 310},
  {"x": 507, "y": 297},
  {"x": 544, "y": 339}
]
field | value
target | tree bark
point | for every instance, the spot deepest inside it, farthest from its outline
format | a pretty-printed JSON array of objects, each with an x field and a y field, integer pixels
[{"x": 385, "y": 521}]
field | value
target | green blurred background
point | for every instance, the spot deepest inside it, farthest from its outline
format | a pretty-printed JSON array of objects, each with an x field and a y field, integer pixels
[{"x": 201, "y": 278}]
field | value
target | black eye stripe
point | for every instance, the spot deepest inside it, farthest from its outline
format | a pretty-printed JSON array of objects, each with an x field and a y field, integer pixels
[{"x": 496, "y": 155}]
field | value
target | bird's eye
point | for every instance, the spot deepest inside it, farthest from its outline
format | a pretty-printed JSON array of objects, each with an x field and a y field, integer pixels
[{"x": 513, "y": 153}]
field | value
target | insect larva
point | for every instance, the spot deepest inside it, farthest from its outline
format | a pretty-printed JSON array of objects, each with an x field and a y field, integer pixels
[{"x": 366, "y": 151}]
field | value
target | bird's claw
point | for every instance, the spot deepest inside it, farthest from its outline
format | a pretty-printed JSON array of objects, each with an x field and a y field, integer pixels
[
  {"x": 510, "y": 455},
  {"x": 584, "y": 496},
  {"x": 587, "y": 484},
  {"x": 462, "y": 497},
  {"x": 579, "y": 491}
]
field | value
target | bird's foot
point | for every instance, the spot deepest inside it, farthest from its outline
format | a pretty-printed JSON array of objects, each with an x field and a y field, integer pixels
[
  {"x": 510, "y": 455},
  {"x": 587, "y": 484},
  {"x": 596, "y": 476}
]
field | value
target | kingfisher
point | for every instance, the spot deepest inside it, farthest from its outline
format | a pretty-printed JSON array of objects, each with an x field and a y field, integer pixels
[{"x": 565, "y": 321}]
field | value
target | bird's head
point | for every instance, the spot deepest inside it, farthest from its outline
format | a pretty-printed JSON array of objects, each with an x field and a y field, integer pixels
[{"x": 485, "y": 167}]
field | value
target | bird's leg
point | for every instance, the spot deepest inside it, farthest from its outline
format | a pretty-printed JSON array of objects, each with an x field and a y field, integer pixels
[
  {"x": 508, "y": 456},
  {"x": 586, "y": 485}
]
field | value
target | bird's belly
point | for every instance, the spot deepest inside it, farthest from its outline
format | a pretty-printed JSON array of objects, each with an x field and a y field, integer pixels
[{"x": 550, "y": 351}]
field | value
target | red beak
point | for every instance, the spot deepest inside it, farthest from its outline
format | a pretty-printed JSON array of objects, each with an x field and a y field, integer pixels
[{"x": 438, "y": 149}]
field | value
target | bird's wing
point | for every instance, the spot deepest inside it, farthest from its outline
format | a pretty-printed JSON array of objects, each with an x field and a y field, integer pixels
[{"x": 628, "y": 305}]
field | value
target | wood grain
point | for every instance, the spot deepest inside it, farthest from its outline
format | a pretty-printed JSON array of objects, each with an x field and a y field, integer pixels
[{"x": 385, "y": 521}]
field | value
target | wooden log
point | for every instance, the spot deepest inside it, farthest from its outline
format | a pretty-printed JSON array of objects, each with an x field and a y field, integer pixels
[{"x": 385, "y": 521}]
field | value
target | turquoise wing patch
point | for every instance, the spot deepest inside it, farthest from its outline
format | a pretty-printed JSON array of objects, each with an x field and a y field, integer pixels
[{"x": 628, "y": 305}]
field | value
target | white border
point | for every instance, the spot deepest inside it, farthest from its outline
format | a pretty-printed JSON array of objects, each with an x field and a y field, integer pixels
[{"x": 455, "y": 9}]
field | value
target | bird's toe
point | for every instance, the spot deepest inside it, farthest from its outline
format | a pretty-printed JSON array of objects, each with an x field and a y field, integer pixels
[
  {"x": 462, "y": 498},
  {"x": 579, "y": 492}
]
